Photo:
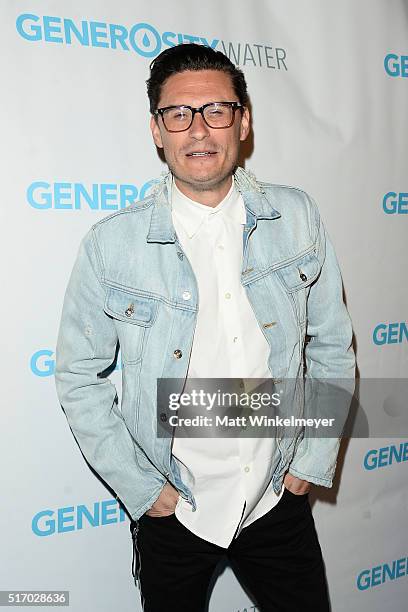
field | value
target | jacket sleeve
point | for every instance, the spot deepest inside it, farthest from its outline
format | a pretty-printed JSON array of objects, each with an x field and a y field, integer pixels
[
  {"x": 329, "y": 356},
  {"x": 86, "y": 346}
]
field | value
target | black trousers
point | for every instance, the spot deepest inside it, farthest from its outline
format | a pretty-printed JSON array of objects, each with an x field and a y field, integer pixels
[{"x": 277, "y": 560}]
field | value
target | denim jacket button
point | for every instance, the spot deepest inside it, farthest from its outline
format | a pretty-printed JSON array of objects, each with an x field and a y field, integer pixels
[
  {"x": 130, "y": 310},
  {"x": 177, "y": 354}
]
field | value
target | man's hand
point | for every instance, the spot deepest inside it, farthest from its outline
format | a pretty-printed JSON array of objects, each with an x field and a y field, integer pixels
[
  {"x": 296, "y": 485},
  {"x": 165, "y": 504}
]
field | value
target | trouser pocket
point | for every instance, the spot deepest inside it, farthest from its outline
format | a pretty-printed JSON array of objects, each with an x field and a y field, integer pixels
[{"x": 289, "y": 494}]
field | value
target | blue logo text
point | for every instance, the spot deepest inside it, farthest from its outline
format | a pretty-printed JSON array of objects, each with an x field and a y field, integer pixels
[
  {"x": 379, "y": 574},
  {"x": 76, "y": 196},
  {"x": 71, "y": 518},
  {"x": 391, "y": 333},
  {"x": 396, "y": 65},
  {"x": 387, "y": 455},
  {"x": 395, "y": 203}
]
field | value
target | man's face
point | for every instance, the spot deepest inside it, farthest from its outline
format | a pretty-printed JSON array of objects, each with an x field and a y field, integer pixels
[{"x": 211, "y": 172}]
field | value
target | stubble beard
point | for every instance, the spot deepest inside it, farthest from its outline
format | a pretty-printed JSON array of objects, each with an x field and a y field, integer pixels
[{"x": 205, "y": 184}]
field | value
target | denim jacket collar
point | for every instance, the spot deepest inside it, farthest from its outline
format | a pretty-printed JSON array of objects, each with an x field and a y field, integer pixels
[{"x": 256, "y": 203}]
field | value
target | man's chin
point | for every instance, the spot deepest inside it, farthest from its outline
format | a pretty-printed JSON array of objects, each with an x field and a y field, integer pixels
[{"x": 204, "y": 182}]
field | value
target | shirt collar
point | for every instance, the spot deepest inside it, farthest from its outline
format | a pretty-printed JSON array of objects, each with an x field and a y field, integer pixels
[{"x": 192, "y": 215}]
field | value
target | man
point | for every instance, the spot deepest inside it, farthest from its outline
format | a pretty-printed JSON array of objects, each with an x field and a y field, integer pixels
[{"x": 205, "y": 278}]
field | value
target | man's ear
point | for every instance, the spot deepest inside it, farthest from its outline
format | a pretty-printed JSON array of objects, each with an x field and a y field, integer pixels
[
  {"x": 156, "y": 132},
  {"x": 245, "y": 124}
]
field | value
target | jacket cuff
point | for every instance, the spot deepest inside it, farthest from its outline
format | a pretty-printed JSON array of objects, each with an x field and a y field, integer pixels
[
  {"x": 324, "y": 482},
  {"x": 315, "y": 460}
]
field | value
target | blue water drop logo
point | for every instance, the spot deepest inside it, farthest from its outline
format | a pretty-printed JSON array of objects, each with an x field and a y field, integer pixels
[{"x": 150, "y": 39}]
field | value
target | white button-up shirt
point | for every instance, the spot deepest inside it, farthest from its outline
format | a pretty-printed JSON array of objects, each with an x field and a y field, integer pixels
[{"x": 227, "y": 476}]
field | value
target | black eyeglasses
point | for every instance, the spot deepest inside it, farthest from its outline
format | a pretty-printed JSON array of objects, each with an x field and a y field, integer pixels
[{"x": 217, "y": 115}]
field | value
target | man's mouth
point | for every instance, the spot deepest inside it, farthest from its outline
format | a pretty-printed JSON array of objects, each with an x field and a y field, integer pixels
[{"x": 201, "y": 153}]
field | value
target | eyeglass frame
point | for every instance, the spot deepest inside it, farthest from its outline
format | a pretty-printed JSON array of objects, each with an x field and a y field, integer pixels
[{"x": 234, "y": 105}]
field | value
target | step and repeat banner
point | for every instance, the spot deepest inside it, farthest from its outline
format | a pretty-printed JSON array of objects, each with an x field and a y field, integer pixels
[{"x": 329, "y": 96}]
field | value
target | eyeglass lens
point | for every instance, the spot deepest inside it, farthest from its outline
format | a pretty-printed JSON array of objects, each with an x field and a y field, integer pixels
[{"x": 215, "y": 115}]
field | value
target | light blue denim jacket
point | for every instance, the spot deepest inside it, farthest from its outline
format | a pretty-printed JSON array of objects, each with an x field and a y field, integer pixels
[{"x": 127, "y": 285}]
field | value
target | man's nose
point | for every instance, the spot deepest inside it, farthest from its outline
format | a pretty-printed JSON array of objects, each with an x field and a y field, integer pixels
[{"x": 199, "y": 129}]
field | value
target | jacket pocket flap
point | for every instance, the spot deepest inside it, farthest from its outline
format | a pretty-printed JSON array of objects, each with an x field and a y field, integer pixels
[
  {"x": 301, "y": 272},
  {"x": 131, "y": 308}
]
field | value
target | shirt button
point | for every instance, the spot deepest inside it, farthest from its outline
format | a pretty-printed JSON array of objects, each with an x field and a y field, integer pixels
[
  {"x": 177, "y": 354},
  {"x": 246, "y": 469},
  {"x": 186, "y": 295},
  {"x": 235, "y": 338},
  {"x": 221, "y": 247},
  {"x": 227, "y": 296}
]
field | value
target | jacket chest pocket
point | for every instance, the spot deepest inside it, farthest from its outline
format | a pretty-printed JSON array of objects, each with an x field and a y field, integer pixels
[
  {"x": 133, "y": 315},
  {"x": 296, "y": 278}
]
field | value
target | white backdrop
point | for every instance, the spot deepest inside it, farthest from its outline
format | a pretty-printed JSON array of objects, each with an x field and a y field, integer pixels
[{"x": 328, "y": 84}]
